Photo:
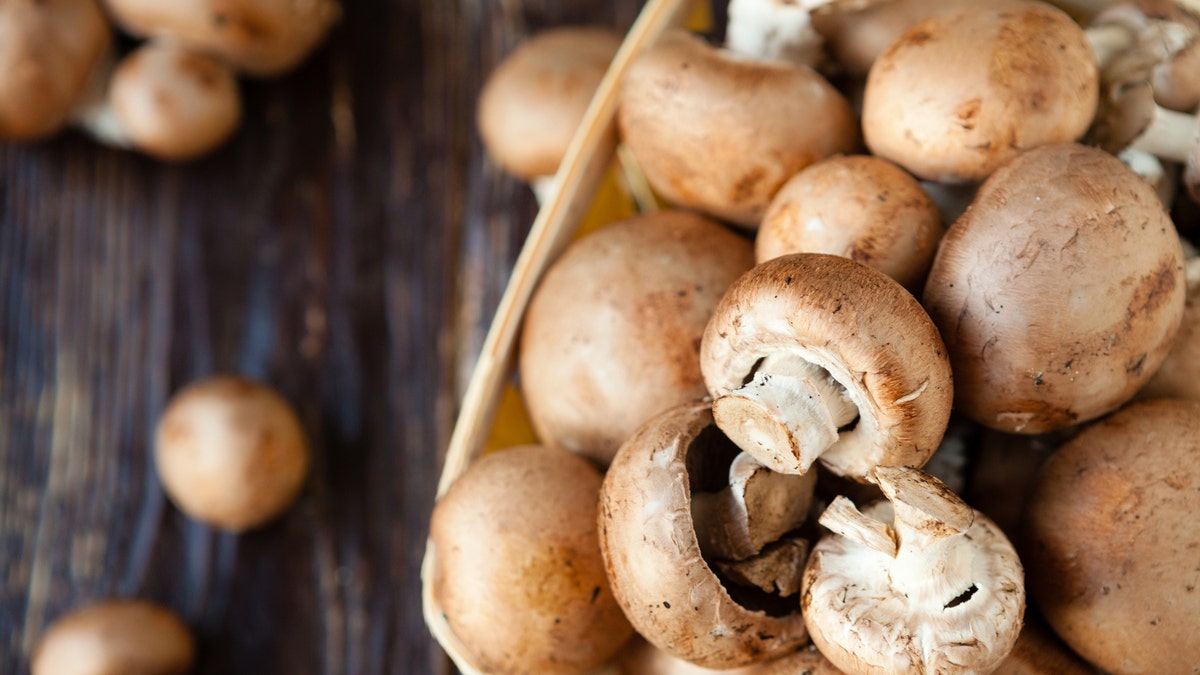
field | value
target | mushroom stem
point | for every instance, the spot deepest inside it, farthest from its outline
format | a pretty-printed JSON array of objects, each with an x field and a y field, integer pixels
[
  {"x": 1108, "y": 41},
  {"x": 787, "y": 415},
  {"x": 1172, "y": 135},
  {"x": 775, "y": 30},
  {"x": 843, "y": 518}
]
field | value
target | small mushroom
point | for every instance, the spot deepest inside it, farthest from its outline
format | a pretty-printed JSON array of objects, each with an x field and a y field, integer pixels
[
  {"x": 261, "y": 38},
  {"x": 721, "y": 133},
  {"x": 671, "y": 593},
  {"x": 862, "y": 208},
  {"x": 1058, "y": 293},
  {"x": 812, "y": 355},
  {"x": 48, "y": 51},
  {"x": 116, "y": 637},
  {"x": 612, "y": 333},
  {"x": 1179, "y": 375},
  {"x": 963, "y": 91},
  {"x": 1113, "y": 550},
  {"x": 518, "y": 571},
  {"x": 230, "y": 453},
  {"x": 925, "y": 585}
]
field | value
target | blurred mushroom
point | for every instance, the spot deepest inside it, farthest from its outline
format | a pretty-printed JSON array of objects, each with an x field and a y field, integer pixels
[
  {"x": 116, "y": 637},
  {"x": 783, "y": 30},
  {"x": 1169, "y": 36}
]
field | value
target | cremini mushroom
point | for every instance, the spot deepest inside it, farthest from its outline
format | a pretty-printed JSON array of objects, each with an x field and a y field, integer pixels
[
  {"x": 230, "y": 452},
  {"x": 48, "y": 51},
  {"x": 923, "y": 585},
  {"x": 720, "y": 133},
  {"x": 612, "y": 333},
  {"x": 963, "y": 91},
  {"x": 1113, "y": 550},
  {"x": 116, "y": 637},
  {"x": 518, "y": 571},
  {"x": 1179, "y": 375},
  {"x": 533, "y": 102},
  {"x": 1058, "y": 293},
  {"x": 261, "y": 38},
  {"x": 863, "y": 208},
  {"x": 672, "y": 593},
  {"x": 811, "y": 355}
]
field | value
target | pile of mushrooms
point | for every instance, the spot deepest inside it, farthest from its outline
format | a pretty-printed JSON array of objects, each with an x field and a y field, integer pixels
[
  {"x": 174, "y": 97},
  {"x": 770, "y": 428}
]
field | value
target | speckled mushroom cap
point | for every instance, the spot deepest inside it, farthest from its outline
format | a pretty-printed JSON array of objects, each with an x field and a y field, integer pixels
[
  {"x": 518, "y": 571},
  {"x": 1058, "y": 292},
  {"x": 658, "y": 575},
  {"x": 612, "y": 335},
  {"x": 860, "y": 328},
  {"x": 533, "y": 102},
  {"x": 47, "y": 52},
  {"x": 116, "y": 637},
  {"x": 262, "y": 38},
  {"x": 1113, "y": 549},
  {"x": 961, "y": 92},
  {"x": 720, "y": 133},
  {"x": 863, "y": 208}
]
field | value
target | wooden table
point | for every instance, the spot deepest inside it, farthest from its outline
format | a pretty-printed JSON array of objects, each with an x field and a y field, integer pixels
[{"x": 348, "y": 246}]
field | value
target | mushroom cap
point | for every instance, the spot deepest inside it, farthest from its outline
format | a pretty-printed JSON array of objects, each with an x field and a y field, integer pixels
[
  {"x": 1113, "y": 543},
  {"x": 261, "y": 38},
  {"x": 519, "y": 574},
  {"x": 858, "y": 36},
  {"x": 720, "y": 133},
  {"x": 658, "y": 575},
  {"x": 533, "y": 102},
  {"x": 115, "y": 637},
  {"x": 862, "y": 327},
  {"x": 1179, "y": 375},
  {"x": 173, "y": 103},
  {"x": 963, "y": 91},
  {"x": 230, "y": 453},
  {"x": 858, "y": 207},
  {"x": 612, "y": 334},
  {"x": 47, "y": 52},
  {"x": 1058, "y": 292}
]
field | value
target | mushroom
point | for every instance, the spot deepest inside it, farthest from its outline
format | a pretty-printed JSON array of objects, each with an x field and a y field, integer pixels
[
  {"x": 230, "y": 453},
  {"x": 660, "y": 577},
  {"x": 612, "y": 334},
  {"x": 533, "y": 102},
  {"x": 812, "y": 355},
  {"x": 1058, "y": 292},
  {"x": 518, "y": 572},
  {"x": 862, "y": 208},
  {"x": 859, "y": 34},
  {"x": 115, "y": 637},
  {"x": 261, "y": 38},
  {"x": 721, "y": 133},
  {"x": 47, "y": 54},
  {"x": 963, "y": 91},
  {"x": 1169, "y": 35},
  {"x": 1113, "y": 549},
  {"x": 1179, "y": 376},
  {"x": 784, "y": 30},
  {"x": 925, "y": 585}
]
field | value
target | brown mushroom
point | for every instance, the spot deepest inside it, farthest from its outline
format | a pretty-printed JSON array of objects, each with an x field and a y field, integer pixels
[
  {"x": 230, "y": 453},
  {"x": 1114, "y": 551},
  {"x": 1167, "y": 33},
  {"x": 720, "y": 133},
  {"x": 862, "y": 208},
  {"x": 1179, "y": 376},
  {"x": 859, "y": 34},
  {"x": 811, "y": 355},
  {"x": 518, "y": 571},
  {"x": 116, "y": 637},
  {"x": 612, "y": 333},
  {"x": 1058, "y": 293},
  {"x": 963, "y": 91}
]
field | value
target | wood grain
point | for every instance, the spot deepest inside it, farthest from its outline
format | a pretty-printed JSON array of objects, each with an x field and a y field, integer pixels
[{"x": 348, "y": 246}]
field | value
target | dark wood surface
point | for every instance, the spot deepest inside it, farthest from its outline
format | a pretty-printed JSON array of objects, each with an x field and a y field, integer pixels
[{"x": 348, "y": 246}]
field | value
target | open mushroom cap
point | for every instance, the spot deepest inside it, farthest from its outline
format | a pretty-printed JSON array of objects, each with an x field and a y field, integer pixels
[
  {"x": 658, "y": 574},
  {"x": 116, "y": 637},
  {"x": 262, "y": 38},
  {"x": 1113, "y": 549},
  {"x": 847, "y": 339},
  {"x": 863, "y": 208},
  {"x": 175, "y": 104},
  {"x": 518, "y": 571},
  {"x": 534, "y": 101},
  {"x": 612, "y": 335},
  {"x": 720, "y": 133},
  {"x": 1058, "y": 293},
  {"x": 963, "y": 91},
  {"x": 47, "y": 52}
]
